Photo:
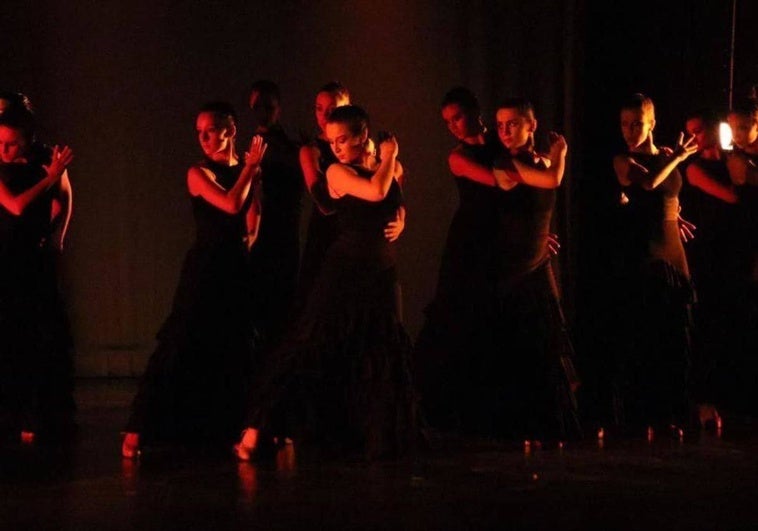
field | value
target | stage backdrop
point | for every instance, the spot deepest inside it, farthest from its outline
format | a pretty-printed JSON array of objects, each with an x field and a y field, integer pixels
[{"x": 121, "y": 82}]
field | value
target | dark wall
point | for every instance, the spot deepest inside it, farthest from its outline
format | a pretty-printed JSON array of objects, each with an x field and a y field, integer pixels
[{"x": 120, "y": 82}]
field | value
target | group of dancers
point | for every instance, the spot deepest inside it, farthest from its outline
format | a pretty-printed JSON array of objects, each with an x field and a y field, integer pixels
[{"x": 312, "y": 349}]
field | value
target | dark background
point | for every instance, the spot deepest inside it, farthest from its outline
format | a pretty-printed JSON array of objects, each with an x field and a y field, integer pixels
[{"x": 121, "y": 81}]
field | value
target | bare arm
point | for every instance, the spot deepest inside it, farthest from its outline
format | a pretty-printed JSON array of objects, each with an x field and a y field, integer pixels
[
  {"x": 466, "y": 168},
  {"x": 253, "y": 216},
  {"x": 741, "y": 169},
  {"x": 344, "y": 180},
  {"x": 60, "y": 216},
  {"x": 395, "y": 228},
  {"x": 309, "y": 156},
  {"x": 399, "y": 173},
  {"x": 700, "y": 178},
  {"x": 551, "y": 176},
  {"x": 16, "y": 204},
  {"x": 200, "y": 181},
  {"x": 629, "y": 171}
]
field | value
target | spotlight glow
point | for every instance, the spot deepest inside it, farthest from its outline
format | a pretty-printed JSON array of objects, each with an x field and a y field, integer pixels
[{"x": 725, "y": 136}]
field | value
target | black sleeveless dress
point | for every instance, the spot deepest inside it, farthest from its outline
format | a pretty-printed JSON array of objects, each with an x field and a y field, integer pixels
[
  {"x": 36, "y": 366},
  {"x": 275, "y": 256},
  {"x": 195, "y": 384},
  {"x": 341, "y": 379},
  {"x": 743, "y": 377},
  {"x": 654, "y": 361},
  {"x": 714, "y": 261},
  {"x": 457, "y": 331},
  {"x": 748, "y": 196},
  {"x": 322, "y": 226},
  {"x": 533, "y": 393}
]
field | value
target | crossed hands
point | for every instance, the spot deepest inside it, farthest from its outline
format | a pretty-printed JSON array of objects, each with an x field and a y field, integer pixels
[{"x": 61, "y": 157}]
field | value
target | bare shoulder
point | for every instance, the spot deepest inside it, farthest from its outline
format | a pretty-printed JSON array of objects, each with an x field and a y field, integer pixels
[
  {"x": 198, "y": 175},
  {"x": 338, "y": 170}
]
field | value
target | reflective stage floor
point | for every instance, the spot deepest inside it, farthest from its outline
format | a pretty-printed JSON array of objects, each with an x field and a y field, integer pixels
[{"x": 704, "y": 482}]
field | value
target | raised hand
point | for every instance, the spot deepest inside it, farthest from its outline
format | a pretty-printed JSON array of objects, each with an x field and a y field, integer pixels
[
  {"x": 558, "y": 145},
  {"x": 257, "y": 149},
  {"x": 685, "y": 148},
  {"x": 60, "y": 159},
  {"x": 388, "y": 147}
]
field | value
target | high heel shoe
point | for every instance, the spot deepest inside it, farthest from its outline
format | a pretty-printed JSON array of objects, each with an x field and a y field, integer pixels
[
  {"x": 247, "y": 445},
  {"x": 130, "y": 446}
]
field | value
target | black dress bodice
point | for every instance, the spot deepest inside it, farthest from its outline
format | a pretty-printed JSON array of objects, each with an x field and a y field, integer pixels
[
  {"x": 320, "y": 190},
  {"x": 282, "y": 193},
  {"x": 524, "y": 216},
  {"x": 477, "y": 201},
  {"x": 360, "y": 227},
  {"x": 654, "y": 214},
  {"x": 27, "y": 232},
  {"x": 213, "y": 226}
]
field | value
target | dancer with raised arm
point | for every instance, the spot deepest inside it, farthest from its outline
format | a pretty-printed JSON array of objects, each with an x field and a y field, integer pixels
[
  {"x": 456, "y": 338},
  {"x": 712, "y": 202},
  {"x": 655, "y": 326},
  {"x": 193, "y": 390},
  {"x": 315, "y": 158},
  {"x": 275, "y": 257},
  {"x": 36, "y": 369},
  {"x": 340, "y": 382},
  {"x": 536, "y": 401}
]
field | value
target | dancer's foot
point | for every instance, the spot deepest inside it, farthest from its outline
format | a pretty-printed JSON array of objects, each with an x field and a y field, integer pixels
[
  {"x": 130, "y": 447},
  {"x": 247, "y": 445}
]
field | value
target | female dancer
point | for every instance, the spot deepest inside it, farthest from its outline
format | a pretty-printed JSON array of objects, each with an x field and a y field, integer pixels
[
  {"x": 456, "y": 335},
  {"x": 194, "y": 386},
  {"x": 341, "y": 379},
  {"x": 315, "y": 158},
  {"x": 38, "y": 153},
  {"x": 655, "y": 326},
  {"x": 537, "y": 375},
  {"x": 35, "y": 360},
  {"x": 712, "y": 200},
  {"x": 743, "y": 170}
]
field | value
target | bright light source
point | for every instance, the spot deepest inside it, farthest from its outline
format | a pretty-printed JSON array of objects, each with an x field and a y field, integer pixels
[{"x": 725, "y": 136}]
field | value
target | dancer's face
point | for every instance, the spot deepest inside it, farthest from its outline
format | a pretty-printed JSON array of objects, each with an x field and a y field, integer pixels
[
  {"x": 326, "y": 102},
  {"x": 266, "y": 110},
  {"x": 636, "y": 126},
  {"x": 514, "y": 128},
  {"x": 346, "y": 146},
  {"x": 744, "y": 129},
  {"x": 705, "y": 138},
  {"x": 12, "y": 144},
  {"x": 214, "y": 137},
  {"x": 461, "y": 123}
]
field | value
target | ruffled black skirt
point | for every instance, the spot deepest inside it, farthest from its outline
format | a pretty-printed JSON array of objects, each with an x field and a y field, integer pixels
[{"x": 341, "y": 380}]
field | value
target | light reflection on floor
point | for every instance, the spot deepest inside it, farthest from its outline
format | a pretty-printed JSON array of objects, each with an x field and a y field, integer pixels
[{"x": 630, "y": 482}]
